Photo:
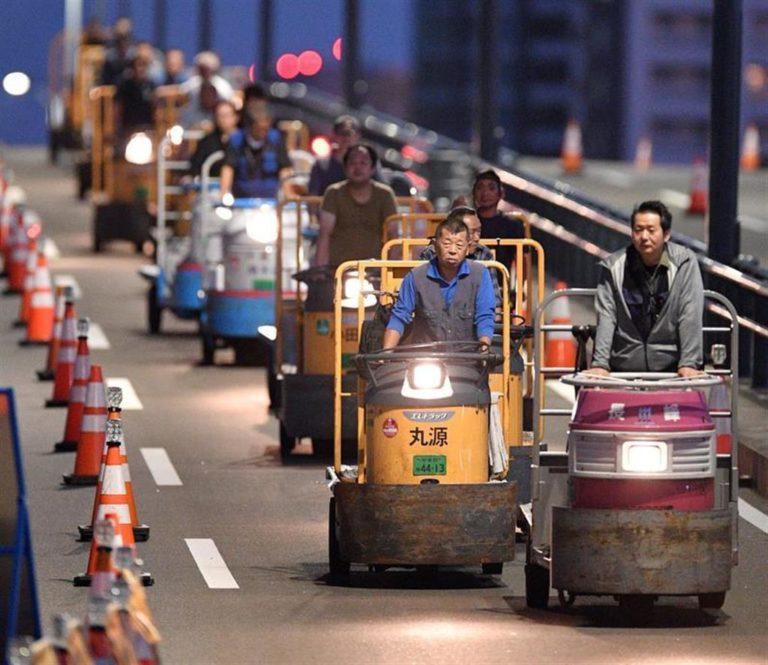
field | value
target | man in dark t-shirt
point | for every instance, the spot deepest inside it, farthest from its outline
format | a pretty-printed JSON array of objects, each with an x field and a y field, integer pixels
[
  {"x": 135, "y": 96},
  {"x": 487, "y": 193}
]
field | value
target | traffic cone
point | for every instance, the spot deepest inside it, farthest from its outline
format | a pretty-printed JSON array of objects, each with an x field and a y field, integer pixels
[
  {"x": 65, "y": 359},
  {"x": 41, "y": 306},
  {"x": 48, "y": 373},
  {"x": 88, "y": 459},
  {"x": 17, "y": 257},
  {"x": 643, "y": 154},
  {"x": 140, "y": 531},
  {"x": 698, "y": 203},
  {"x": 29, "y": 284},
  {"x": 77, "y": 392},
  {"x": 571, "y": 157},
  {"x": 560, "y": 349},
  {"x": 750, "y": 149}
]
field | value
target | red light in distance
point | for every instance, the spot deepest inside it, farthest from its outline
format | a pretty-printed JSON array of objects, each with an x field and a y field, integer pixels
[
  {"x": 336, "y": 49},
  {"x": 310, "y": 62},
  {"x": 252, "y": 73},
  {"x": 287, "y": 66}
]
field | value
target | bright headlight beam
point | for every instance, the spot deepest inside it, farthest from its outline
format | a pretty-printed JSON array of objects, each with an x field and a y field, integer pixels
[
  {"x": 644, "y": 456},
  {"x": 139, "y": 149},
  {"x": 427, "y": 376},
  {"x": 261, "y": 225}
]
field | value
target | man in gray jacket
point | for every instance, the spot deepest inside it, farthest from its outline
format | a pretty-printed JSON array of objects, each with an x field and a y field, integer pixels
[{"x": 650, "y": 302}]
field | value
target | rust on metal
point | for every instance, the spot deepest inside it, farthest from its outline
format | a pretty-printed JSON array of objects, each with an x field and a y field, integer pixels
[
  {"x": 447, "y": 525},
  {"x": 641, "y": 551}
]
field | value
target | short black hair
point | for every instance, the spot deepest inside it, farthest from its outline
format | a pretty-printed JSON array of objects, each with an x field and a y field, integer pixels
[
  {"x": 254, "y": 91},
  {"x": 656, "y": 207},
  {"x": 362, "y": 146},
  {"x": 490, "y": 174},
  {"x": 454, "y": 223},
  {"x": 461, "y": 212},
  {"x": 346, "y": 122}
]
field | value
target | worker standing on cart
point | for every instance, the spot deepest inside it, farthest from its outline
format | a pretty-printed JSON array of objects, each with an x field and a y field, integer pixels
[
  {"x": 650, "y": 302},
  {"x": 488, "y": 192},
  {"x": 256, "y": 159},
  {"x": 354, "y": 210},
  {"x": 447, "y": 299}
]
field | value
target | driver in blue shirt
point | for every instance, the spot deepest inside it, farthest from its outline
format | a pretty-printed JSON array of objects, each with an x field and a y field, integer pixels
[{"x": 447, "y": 299}]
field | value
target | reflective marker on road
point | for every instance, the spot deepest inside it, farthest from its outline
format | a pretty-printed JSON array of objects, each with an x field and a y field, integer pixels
[
  {"x": 97, "y": 339},
  {"x": 161, "y": 467},
  {"x": 50, "y": 249},
  {"x": 211, "y": 564},
  {"x": 69, "y": 280},
  {"x": 754, "y": 516},
  {"x": 131, "y": 401}
]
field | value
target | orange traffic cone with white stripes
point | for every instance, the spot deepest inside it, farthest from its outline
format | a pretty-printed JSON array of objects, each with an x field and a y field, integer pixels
[
  {"x": 572, "y": 153},
  {"x": 140, "y": 531},
  {"x": 41, "y": 306},
  {"x": 88, "y": 459},
  {"x": 643, "y": 155},
  {"x": 100, "y": 570},
  {"x": 560, "y": 348},
  {"x": 77, "y": 392},
  {"x": 750, "y": 149},
  {"x": 65, "y": 360},
  {"x": 29, "y": 284},
  {"x": 17, "y": 256},
  {"x": 48, "y": 373},
  {"x": 699, "y": 189}
]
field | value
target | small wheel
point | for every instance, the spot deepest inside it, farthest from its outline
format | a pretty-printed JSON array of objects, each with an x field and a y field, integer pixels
[
  {"x": 287, "y": 443},
  {"x": 339, "y": 569},
  {"x": 154, "y": 311},
  {"x": 566, "y": 598},
  {"x": 209, "y": 347},
  {"x": 496, "y": 568},
  {"x": 273, "y": 388},
  {"x": 536, "y": 586},
  {"x": 711, "y": 601}
]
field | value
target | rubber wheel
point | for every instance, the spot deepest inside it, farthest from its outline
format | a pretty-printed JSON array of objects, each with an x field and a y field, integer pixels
[
  {"x": 208, "y": 347},
  {"x": 287, "y": 443},
  {"x": 711, "y": 601},
  {"x": 339, "y": 570},
  {"x": 273, "y": 388},
  {"x": 154, "y": 311},
  {"x": 496, "y": 568},
  {"x": 536, "y": 586}
]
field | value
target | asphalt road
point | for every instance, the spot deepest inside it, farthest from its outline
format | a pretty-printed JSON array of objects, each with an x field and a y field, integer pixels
[
  {"x": 619, "y": 185},
  {"x": 269, "y": 521}
]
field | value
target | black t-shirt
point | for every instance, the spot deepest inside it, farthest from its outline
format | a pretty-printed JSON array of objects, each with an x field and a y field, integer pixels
[
  {"x": 325, "y": 172},
  {"x": 209, "y": 144},
  {"x": 502, "y": 226},
  {"x": 135, "y": 99}
]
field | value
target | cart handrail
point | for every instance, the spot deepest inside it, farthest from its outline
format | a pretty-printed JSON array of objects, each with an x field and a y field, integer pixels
[{"x": 640, "y": 380}]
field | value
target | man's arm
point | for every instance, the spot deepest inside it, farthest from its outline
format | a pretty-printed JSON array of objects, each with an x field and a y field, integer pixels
[
  {"x": 323, "y": 249},
  {"x": 402, "y": 313},
  {"x": 605, "y": 304},
  {"x": 691, "y": 318},
  {"x": 485, "y": 305}
]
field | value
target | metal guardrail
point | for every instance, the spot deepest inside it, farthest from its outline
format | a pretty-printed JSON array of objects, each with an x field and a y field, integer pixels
[{"x": 574, "y": 230}]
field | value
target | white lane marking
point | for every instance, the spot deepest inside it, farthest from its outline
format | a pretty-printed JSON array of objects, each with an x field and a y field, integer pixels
[
  {"x": 674, "y": 198},
  {"x": 753, "y": 223},
  {"x": 96, "y": 338},
  {"x": 68, "y": 280},
  {"x": 754, "y": 516},
  {"x": 50, "y": 249},
  {"x": 161, "y": 467},
  {"x": 615, "y": 178},
  {"x": 211, "y": 564},
  {"x": 131, "y": 401},
  {"x": 563, "y": 391}
]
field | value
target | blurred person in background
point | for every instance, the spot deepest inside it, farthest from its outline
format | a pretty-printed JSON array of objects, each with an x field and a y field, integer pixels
[
  {"x": 488, "y": 192},
  {"x": 353, "y": 211},
  {"x": 135, "y": 97},
  {"x": 225, "y": 124},
  {"x": 94, "y": 33},
  {"x": 207, "y": 65},
  {"x": 174, "y": 67},
  {"x": 330, "y": 170},
  {"x": 256, "y": 159},
  {"x": 154, "y": 57}
]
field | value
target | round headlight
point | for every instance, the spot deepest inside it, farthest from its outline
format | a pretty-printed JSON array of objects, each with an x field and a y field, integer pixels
[{"x": 139, "y": 149}]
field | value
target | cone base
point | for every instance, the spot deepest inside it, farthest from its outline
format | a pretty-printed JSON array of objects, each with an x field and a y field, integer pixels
[
  {"x": 80, "y": 481},
  {"x": 140, "y": 533},
  {"x": 11, "y": 292},
  {"x": 56, "y": 403},
  {"x": 32, "y": 342},
  {"x": 85, "y": 580},
  {"x": 44, "y": 375},
  {"x": 65, "y": 447},
  {"x": 19, "y": 323}
]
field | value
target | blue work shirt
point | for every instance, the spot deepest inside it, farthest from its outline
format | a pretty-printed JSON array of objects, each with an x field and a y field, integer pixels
[{"x": 402, "y": 312}]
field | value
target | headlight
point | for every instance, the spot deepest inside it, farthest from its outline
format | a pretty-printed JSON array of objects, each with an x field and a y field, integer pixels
[
  {"x": 644, "y": 456},
  {"x": 224, "y": 213},
  {"x": 270, "y": 332},
  {"x": 176, "y": 134},
  {"x": 261, "y": 224},
  {"x": 426, "y": 379},
  {"x": 353, "y": 287},
  {"x": 139, "y": 149}
]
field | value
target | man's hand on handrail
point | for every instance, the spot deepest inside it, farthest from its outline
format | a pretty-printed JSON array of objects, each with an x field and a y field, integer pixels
[{"x": 597, "y": 371}]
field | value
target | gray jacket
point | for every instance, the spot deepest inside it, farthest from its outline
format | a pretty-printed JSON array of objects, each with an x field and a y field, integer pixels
[{"x": 675, "y": 339}]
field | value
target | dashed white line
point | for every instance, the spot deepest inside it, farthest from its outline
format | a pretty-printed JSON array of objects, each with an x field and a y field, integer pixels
[
  {"x": 68, "y": 280},
  {"x": 754, "y": 516},
  {"x": 211, "y": 564},
  {"x": 131, "y": 401},
  {"x": 612, "y": 177},
  {"x": 161, "y": 467},
  {"x": 96, "y": 338}
]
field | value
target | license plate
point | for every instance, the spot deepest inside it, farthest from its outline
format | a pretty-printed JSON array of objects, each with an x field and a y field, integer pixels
[{"x": 429, "y": 465}]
